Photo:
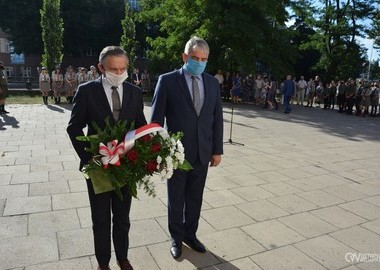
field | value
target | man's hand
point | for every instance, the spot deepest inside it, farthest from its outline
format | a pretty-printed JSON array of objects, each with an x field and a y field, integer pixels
[{"x": 215, "y": 160}]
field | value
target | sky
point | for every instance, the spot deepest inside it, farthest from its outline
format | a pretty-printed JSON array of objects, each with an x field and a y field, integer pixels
[{"x": 372, "y": 53}]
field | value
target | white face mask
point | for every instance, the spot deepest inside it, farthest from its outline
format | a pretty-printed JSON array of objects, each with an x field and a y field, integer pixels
[{"x": 116, "y": 80}]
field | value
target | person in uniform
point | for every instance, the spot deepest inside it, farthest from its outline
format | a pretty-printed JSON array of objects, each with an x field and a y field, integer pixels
[
  {"x": 70, "y": 83},
  {"x": 227, "y": 86},
  {"x": 350, "y": 93},
  {"x": 44, "y": 83},
  {"x": 326, "y": 96},
  {"x": 92, "y": 74},
  {"x": 375, "y": 99},
  {"x": 311, "y": 92},
  {"x": 82, "y": 76},
  {"x": 332, "y": 95},
  {"x": 3, "y": 88},
  {"x": 136, "y": 77},
  {"x": 366, "y": 98},
  {"x": 145, "y": 81},
  {"x": 358, "y": 98},
  {"x": 220, "y": 78},
  {"x": 341, "y": 95},
  {"x": 57, "y": 83}
]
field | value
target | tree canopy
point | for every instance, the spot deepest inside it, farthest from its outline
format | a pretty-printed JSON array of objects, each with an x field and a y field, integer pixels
[
  {"x": 241, "y": 33},
  {"x": 52, "y": 33},
  {"x": 90, "y": 25},
  {"x": 238, "y": 32},
  {"x": 337, "y": 26},
  {"x": 20, "y": 19},
  {"x": 128, "y": 42}
]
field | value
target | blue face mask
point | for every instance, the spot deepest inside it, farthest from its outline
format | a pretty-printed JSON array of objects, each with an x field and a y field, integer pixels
[{"x": 194, "y": 67}]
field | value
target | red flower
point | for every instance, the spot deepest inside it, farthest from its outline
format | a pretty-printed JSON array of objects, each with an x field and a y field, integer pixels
[
  {"x": 151, "y": 166},
  {"x": 155, "y": 147},
  {"x": 146, "y": 138},
  {"x": 132, "y": 155}
]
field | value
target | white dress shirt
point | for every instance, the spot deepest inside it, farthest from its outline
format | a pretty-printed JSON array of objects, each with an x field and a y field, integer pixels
[{"x": 107, "y": 89}]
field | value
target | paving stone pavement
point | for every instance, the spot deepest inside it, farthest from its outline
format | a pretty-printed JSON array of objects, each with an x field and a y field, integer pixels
[{"x": 302, "y": 193}]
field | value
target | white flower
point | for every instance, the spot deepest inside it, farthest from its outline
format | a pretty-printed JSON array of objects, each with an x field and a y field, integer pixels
[
  {"x": 163, "y": 173},
  {"x": 169, "y": 174},
  {"x": 180, "y": 157},
  {"x": 173, "y": 142},
  {"x": 159, "y": 159},
  {"x": 180, "y": 146},
  {"x": 164, "y": 134},
  {"x": 169, "y": 162}
]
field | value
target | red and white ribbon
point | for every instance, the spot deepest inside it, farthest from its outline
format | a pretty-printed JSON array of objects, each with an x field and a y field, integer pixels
[
  {"x": 133, "y": 135},
  {"x": 111, "y": 153}
]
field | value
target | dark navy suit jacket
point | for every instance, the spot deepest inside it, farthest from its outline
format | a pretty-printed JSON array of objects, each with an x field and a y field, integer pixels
[
  {"x": 91, "y": 105},
  {"x": 203, "y": 134}
]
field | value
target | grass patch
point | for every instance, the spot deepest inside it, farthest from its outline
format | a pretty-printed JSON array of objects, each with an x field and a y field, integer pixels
[
  {"x": 34, "y": 97},
  {"x": 24, "y": 99}
]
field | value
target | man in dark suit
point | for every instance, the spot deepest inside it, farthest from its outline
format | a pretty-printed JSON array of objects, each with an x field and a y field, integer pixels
[
  {"x": 190, "y": 101},
  {"x": 136, "y": 77},
  {"x": 108, "y": 96}
]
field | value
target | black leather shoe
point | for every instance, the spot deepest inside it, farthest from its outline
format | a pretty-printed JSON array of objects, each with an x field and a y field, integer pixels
[
  {"x": 195, "y": 244},
  {"x": 176, "y": 250}
]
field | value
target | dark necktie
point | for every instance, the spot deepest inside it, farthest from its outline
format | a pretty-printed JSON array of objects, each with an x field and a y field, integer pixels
[
  {"x": 116, "y": 107},
  {"x": 196, "y": 95}
]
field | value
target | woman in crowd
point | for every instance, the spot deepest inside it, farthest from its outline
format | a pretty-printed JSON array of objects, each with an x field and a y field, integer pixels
[
  {"x": 332, "y": 95},
  {"x": 82, "y": 76},
  {"x": 236, "y": 87},
  {"x": 57, "y": 83},
  {"x": 44, "y": 83},
  {"x": 70, "y": 83},
  {"x": 375, "y": 99},
  {"x": 145, "y": 81},
  {"x": 92, "y": 74}
]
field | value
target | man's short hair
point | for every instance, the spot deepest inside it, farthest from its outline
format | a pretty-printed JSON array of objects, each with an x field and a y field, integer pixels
[
  {"x": 111, "y": 50},
  {"x": 196, "y": 44}
]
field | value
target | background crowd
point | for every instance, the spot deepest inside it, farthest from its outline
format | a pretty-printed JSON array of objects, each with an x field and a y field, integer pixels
[
  {"x": 357, "y": 97},
  {"x": 60, "y": 84}
]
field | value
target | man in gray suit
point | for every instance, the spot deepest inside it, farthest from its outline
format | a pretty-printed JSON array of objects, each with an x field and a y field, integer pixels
[{"x": 189, "y": 100}]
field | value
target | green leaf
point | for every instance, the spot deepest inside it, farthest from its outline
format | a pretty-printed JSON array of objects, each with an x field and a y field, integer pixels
[{"x": 185, "y": 166}]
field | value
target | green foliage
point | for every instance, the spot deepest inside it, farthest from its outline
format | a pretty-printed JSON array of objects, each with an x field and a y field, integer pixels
[
  {"x": 128, "y": 42},
  {"x": 20, "y": 19},
  {"x": 337, "y": 26},
  {"x": 135, "y": 166},
  {"x": 238, "y": 32},
  {"x": 375, "y": 70},
  {"x": 52, "y": 33},
  {"x": 374, "y": 31},
  {"x": 90, "y": 25}
]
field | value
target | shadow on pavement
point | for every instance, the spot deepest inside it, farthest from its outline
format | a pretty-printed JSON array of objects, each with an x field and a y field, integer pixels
[
  {"x": 55, "y": 108},
  {"x": 200, "y": 260},
  {"x": 6, "y": 120},
  {"x": 350, "y": 127}
]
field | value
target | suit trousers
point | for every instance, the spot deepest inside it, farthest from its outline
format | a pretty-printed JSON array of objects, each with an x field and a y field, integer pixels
[
  {"x": 287, "y": 103},
  {"x": 185, "y": 194},
  {"x": 101, "y": 206}
]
